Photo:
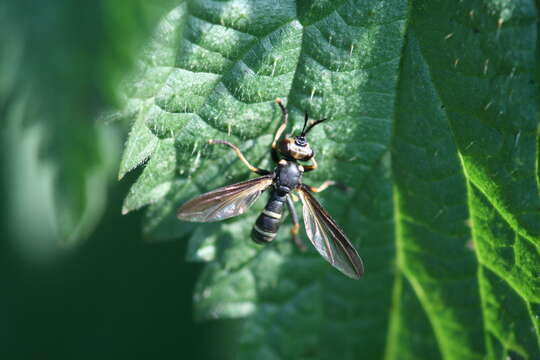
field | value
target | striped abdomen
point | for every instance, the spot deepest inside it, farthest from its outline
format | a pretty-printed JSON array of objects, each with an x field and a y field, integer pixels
[{"x": 267, "y": 224}]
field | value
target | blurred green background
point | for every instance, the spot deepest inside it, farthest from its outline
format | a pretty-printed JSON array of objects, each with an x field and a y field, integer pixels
[{"x": 113, "y": 294}]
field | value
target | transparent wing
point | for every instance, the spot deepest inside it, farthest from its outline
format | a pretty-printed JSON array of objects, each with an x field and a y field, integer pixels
[
  {"x": 225, "y": 202},
  {"x": 329, "y": 240}
]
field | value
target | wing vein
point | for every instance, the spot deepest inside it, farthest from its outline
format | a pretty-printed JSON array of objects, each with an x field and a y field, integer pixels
[
  {"x": 328, "y": 238},
  {"x": 224, "y": 202}
]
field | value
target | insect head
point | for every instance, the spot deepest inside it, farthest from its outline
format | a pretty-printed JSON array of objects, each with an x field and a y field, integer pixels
[{"x": 297, "y": 147}]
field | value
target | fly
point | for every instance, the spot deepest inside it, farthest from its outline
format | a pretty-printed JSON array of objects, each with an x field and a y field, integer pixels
[{"x": 232, "y": 200}]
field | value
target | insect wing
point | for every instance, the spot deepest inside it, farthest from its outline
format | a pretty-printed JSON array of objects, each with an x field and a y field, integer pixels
[
  {"x": 329, "y": 240},
  {"x": 225, "y": 202}
]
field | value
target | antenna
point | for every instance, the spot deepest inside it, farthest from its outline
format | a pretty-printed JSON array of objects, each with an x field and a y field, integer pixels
[
  {"x": 312, "y": 125},
  {"x": 305, "y": 123}
]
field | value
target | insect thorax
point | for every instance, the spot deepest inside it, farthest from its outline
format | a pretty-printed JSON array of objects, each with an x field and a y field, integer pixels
[{"x": 288, "y": 176}]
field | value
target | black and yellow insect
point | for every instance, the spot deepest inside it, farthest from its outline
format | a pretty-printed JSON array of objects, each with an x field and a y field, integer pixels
[{"x": 232, "y": 200}]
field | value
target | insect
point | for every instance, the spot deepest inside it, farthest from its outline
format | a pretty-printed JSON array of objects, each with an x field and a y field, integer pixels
[{"x": 232, "y": 200}]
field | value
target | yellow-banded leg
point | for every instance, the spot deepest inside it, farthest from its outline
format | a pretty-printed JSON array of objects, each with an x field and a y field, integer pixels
[
  {"x": 311, "y": 167},
  {"x": 241, "y": 156},
  {"x": 279, "y": 132},
  {"x": 296, "y": 225},
  {"x": 327, "y": 184}
]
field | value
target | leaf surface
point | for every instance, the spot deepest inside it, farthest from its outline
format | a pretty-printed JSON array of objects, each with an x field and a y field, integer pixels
[{"x": 433, "y": 115}]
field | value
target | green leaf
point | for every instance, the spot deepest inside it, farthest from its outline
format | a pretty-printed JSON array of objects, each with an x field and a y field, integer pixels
[
  {"x": 433, "y": 111},
  {"x": 60, "y": 163},
  {"x": 58, "y": 71}
]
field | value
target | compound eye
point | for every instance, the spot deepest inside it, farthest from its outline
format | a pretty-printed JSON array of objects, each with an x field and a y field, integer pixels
[
  {"x": 310, "y": 155},
  {"x": 284, "y": 146}
]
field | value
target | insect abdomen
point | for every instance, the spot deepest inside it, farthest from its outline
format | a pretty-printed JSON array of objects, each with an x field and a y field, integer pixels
[{"x": 267, "y": 224}]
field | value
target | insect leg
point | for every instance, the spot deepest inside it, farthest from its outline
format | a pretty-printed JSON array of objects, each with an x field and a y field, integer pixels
[
  {"x": 326, "y": 184},
  {"x": 296, "y": 225},
  {"x": 241, "y": 156},
  {"x": 279, "y": 132},
  {"x": 311, "y": 167}
]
